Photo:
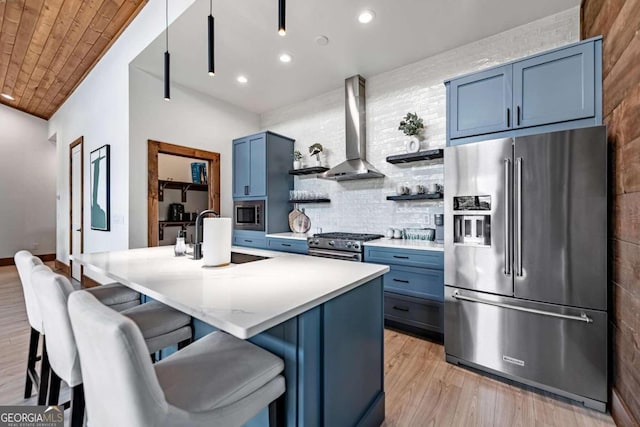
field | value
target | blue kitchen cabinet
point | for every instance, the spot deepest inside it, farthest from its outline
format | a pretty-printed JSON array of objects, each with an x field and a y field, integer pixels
[
  {"x": 260, "y": 172},
  {"x": 413, "y": 289},
  {"x": 555, "y": 87},
  {"x": 287, "y": 245},
  {"x": 250, "y": 166},
  {"x": 481, "y": 103},
  {"x": 551, "y": 91}
]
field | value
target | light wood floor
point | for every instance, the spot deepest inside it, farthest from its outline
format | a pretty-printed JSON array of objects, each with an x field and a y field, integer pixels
[{"x": 421, "y": 388}]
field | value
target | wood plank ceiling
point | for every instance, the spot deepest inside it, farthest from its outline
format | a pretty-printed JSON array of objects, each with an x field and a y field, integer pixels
[{"x": 47, "y": 47}]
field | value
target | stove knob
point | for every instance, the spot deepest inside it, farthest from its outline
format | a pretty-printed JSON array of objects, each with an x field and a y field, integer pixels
[
  {"x": 332, "y": 243},
  {"x": 349, "y": 245},
  {"x": 356, "y": 245},
  {"x": 315, "y": 242}
]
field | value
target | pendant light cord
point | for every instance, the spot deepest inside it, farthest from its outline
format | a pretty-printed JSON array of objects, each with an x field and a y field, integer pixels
[{"x": 167, "y": 24}]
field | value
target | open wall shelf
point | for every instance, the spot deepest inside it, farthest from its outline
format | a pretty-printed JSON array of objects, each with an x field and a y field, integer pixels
[
  {"x": 434, "y": 155},
  {"x": 308, "y": 171},
  {"x": 163, "y": 224},
  {"x": 177, "y": 185},
  {"x": 311, "y": 201},
  {"x": 435, "y": 197}
]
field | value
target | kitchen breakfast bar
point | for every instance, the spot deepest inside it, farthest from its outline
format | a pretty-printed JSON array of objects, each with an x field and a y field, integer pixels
[{"x": 323, "y": 317}]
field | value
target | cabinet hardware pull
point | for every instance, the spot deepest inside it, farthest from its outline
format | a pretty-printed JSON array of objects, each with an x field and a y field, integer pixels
[
  {"x": 507, "y": 218},
  {"x": 286, "y": 244},
  {"x": 518, "y": 115},
  {"x": 401, "y": 280},
  {"x": 582, "y": 318},
  {"x": 508, "y": 117},
  {"x": 518, "y": 224},
  {"x": 401, "y": 257},
  {"x": 248, "y": 241},
  {"x": 395, "y": 307}
]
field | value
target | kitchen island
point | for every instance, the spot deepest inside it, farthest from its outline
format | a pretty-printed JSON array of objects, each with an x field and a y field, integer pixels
[{"x": 323, "y": 317}]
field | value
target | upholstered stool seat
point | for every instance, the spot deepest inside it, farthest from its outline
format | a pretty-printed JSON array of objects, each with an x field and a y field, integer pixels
[
  {"x": 217, "y": 381},
  {"x": 116, "y": 296},
  {"x": 238, "y": 369},
  {"x": 161, "y": 325}
]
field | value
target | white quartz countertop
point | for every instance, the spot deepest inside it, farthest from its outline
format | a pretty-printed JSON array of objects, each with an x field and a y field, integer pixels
[
  {"x": 289, "y": 235},
  {"x": 241, "y": 299},
  {"x": 422, "y": 245}
]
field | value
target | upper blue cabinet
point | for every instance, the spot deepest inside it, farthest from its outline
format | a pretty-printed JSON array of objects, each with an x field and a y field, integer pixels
[
  {"x": 250, "y": 166},
  {"x": 481, "y": 103},
  {"x": 555, "y": 90},
  {"x": 555, "y": 87}
]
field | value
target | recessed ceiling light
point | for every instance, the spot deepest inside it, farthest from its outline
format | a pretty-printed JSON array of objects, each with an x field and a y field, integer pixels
[
  {"x": 366, "y": 16},
  {"x": 322, "y": 40},
  {"x": 242, "y": 79},
  {"x": 7, "y": 96},
  {"x": 285, "y": 57}
]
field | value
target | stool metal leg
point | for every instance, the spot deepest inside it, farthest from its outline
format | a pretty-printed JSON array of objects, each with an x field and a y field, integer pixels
[
  {"x": 277, "y": 412},
  {"x": 183, "y": 344},
  {"x": 32, "y": 358},
  {"x": 77, "y": 406},
  {"x": 54, "y": 389},
  {"x": 45, "y": 368}
]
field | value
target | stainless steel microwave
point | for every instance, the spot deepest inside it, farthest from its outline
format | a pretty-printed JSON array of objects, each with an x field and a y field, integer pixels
[{"x": 249, "y": 215}]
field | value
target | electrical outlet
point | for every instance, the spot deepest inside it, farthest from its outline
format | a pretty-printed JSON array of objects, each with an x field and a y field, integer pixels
[
  {"x": 427, "y": 220},
  {"x": 35, "y": 245}
]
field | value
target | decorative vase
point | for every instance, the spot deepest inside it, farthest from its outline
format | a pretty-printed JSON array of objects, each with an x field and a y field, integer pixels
[
  {"x": 413, "y": 145},
  {"x": 297, "y": 164}
]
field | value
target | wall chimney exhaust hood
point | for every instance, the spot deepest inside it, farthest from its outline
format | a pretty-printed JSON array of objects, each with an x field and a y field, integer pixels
[{"x": 356, "y": 165}]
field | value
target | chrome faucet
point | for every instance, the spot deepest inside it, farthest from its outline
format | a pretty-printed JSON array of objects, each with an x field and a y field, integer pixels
[{"x": 197, "y": 243}]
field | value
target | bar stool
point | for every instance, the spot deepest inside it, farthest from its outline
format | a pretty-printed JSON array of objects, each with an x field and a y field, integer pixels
[
  {"x": 25, "y": 262},
  {"x": 115, "y": 295},
  {"x": 52, "y": 291},
  {"x": 218, "y": 380}
]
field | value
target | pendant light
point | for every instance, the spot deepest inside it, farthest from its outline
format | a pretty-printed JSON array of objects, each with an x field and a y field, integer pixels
[
  {"x": 167, "y": 59},
  {"x": 282, "y": 26},
  {"x": 212, "y": 67}
]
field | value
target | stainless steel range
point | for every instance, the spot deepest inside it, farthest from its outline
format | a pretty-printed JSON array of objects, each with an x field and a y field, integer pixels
[{"x": 345, "y": 246}]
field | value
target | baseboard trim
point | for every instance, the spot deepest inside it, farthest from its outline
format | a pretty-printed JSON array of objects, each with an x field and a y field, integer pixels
[
  {"x": 63, "y": 268},
  {"x": 88, "y": 282},
  {"x": 620, "y": 412},
  {"x": 9, "y": 261}
]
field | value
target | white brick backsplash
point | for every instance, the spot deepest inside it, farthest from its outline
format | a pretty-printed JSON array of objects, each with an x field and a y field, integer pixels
[{"x": 361, "y": 206}]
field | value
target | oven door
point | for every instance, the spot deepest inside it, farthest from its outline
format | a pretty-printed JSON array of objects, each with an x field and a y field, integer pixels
[
  {"x": 249, "y": 215},
  {"x": 345, "y": 256}
]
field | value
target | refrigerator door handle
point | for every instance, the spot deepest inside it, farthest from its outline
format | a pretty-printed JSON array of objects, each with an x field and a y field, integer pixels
[
  {"x": 507, "y": 217},
  {"x": 518, "y": 224},
  {"x": 582, "y": 318}
]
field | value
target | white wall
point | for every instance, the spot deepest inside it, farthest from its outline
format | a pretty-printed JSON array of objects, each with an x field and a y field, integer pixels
[
  {"x": 99, "y": 110},
  {"x": 174, "y": 168},
  {"x": 361, "y": 206},
  {"x": 190, "y": 119},
  {"x": 27, "y": 184}
]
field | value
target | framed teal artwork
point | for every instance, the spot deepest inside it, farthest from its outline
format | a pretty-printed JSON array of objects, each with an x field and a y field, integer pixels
[{"x": 100, "y": 189}]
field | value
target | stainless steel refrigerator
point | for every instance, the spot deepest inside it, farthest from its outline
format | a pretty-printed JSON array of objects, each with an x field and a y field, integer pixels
[{"x": 526, "y": 260}]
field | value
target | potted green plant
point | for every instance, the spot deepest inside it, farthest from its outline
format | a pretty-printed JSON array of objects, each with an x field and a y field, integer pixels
[
  {"x": 412, "y": 126},
  {"x": 297, "y": 157},
  {"x": 315, "y": 150}
]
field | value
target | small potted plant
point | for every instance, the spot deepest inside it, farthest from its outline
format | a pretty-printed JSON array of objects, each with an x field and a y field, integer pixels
[
  {"x": 315, "y": 150},
  {"x": 412, "y": 126},
  {"x": 297, "y": 157}
]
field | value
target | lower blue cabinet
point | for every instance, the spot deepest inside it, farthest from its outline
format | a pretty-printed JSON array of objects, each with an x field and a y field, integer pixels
[
  {"x": 251, "y": 239},
  {"x": 287, "y": 245},
  {"x": 413, "y": 288}
]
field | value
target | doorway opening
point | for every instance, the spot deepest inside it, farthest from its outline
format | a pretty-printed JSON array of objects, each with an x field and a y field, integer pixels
[
  {"x": 183, "y": 181},
  {"x": 76, "y": 205}
]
